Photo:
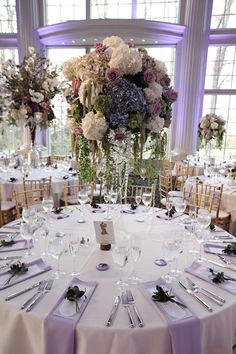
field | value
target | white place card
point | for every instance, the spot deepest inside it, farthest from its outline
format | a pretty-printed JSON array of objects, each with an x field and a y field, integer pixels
[{"x": 104, "y": 232}]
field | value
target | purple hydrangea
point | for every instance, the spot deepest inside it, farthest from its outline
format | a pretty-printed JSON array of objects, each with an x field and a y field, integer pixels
[
  {"x": 126, "y": 97},
  {"x": 117, "y": 120}
]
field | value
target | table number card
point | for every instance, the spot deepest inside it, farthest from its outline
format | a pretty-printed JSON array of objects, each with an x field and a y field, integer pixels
[{"x": 104, "y": 231}]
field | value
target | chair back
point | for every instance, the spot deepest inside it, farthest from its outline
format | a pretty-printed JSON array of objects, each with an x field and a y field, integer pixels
[
  {"x": 182, "y": 173},
  {"x": 43, "y": 183},
  {"x": 134, "y": 189},
  {"x": 28, "y": 198}
]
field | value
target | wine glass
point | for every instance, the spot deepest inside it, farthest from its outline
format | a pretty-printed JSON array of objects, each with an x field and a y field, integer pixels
[
  {"x": 147, "y": 199},
  {"x": 120, "y": 257},
  {"x": 107, "y": 199},
  {"x": 47, "y": 203},
  {"x": 201, "y": 237},
  {"x": 180, "y": 205},
  {"x": 26, "y": 234},
  {"x": 169, "y": 206},
  {"x": 143, "y": 173},
  {"x": 57, "y": 248},
  {"x": 135, "y": 252},
  {"x": 74, "y": 245},
  {"x": 171, "y": 248},
  {"x": 28, "y": 214},
  {"x": 82, "y": 198},
  {"x": 114, "y": 197}
]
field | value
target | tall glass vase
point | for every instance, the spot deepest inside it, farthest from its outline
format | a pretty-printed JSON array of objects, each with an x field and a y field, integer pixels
[
  {"x": 33, "y": 157},
  {"x": 208, "y": 150}
]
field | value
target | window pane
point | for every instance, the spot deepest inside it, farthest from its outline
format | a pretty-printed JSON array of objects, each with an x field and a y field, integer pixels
[
  {"x": 223, "y": 14},
  {"x": 221, "y": 68},
  {"x": 10, "y": 137},
  {"x": 160, "y": 10},
  {"x": 64, "y": 10},
  {"x": 224, "y": 105},
  {"x": 111, "y": 9},
  {"x": 59, "y": 134},
  {"x": 8, "y": 16}
]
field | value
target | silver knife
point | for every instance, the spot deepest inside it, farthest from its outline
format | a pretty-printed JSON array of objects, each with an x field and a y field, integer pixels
[
  {"x": 12, "y": 296},
  {"x": 9, "y": 257},
  {"x": 126, "y": 306},
  {"x": 39, "y": 296},
  {"x": 113, "y": 311},
  {"x": 221, "y": 265},
  {"x": 190, "y": 292},
  {"x": 40, "y": 288},
  {"x": 130, "y": 299}
]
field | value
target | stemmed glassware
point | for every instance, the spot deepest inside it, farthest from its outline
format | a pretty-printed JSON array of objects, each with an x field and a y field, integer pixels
[
  {"x": 147, "y": 199},
  {"x": 169, "y": 206},
  {"x": 26, "y": 234},
  {"x": 135, "y": 252},
  {"x": 74, "y": 244},
  {"x": 114, "y": 197},
  {"x": 57, "y": 248},
  {"x": 200, "y": 230},
  {"x": 171, "y": 248},
  {"x": 107, "y": 199},
  {"x": 120, "y": 254},
  {"x": 82, "y": 198},
  {"x": 180, "y": 205},
  {"x": 47, "y": 203}
]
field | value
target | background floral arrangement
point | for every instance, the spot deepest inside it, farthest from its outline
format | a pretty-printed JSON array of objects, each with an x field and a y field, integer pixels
[
  {"x": 120, "y": 97},
  {"x": 32, "y": 86},
  {"x": 211, "y": 128}
]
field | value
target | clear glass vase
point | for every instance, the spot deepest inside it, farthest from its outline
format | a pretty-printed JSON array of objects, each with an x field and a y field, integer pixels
[{"x": 33, "y": 157}]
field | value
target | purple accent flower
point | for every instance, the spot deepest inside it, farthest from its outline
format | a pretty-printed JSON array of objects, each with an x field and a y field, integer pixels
[
  {"x": 99, "y": 47},
  {"x": 170, "y": 95},
  {"x": 113, "y": 75},
  {"x": 165, "y": 81},
  {"x": 156, "y": 109},
  {"x": 149, "y": 76}
]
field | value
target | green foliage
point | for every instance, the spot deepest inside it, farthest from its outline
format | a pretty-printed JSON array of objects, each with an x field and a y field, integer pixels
[
  {"x": 86, "y": 171},
  {"x": 102, "y": 104}
]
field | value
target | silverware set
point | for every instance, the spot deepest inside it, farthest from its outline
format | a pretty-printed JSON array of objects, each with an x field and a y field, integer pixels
[
  {"x": 43, "y": 287},
  {"x": 128, "y": 304}
]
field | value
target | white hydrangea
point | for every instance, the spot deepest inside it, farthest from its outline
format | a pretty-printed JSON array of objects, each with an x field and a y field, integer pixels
[
  {"x": 161, "y": 69},
  {"x": 153, "y": 92},
  {"x": 36, "y": 96},
  {"x": 94, "y": 126},
  {"x": 113, "y": 41},
  {"x": 69, "y": 68},
  {"x": 156, "y": 124},
  {"x": 214, "y": 125},
  {"x": 126, "y": 59}
]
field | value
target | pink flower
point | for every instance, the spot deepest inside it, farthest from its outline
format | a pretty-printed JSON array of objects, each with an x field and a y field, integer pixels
[
  {"x": 119, "y": 136},
  {"x": 156, "y": 109},
  {"x": 149, "y": 76},
  {"x": 165, "y": 81},
  {"x": 99, "y": 47},
  {"x": 113, "y": 75},
  {"x": 75, "y": 85},
  {"x": 78, "y": 130},
  {"x": 130, "y": 44},
  {"x": 170, "y": 95},
  {"x": 167, "y": 123}
]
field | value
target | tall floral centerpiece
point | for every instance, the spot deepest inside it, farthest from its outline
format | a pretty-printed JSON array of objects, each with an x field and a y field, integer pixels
[
  {"x": 32, "y": 85},
  {"x": 121, "y": 100},
  {"x": 211, "y": 130}
]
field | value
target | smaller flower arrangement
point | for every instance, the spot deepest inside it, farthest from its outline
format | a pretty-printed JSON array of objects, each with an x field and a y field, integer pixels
[
  {"x": 32, "y": 85},
  {"x": 211, "y": 128}
]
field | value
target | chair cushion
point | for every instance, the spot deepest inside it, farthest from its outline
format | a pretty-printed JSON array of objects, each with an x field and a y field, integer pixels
[
  {"x": 222, "y": 214},
  {"x": 7, "y": 205}
]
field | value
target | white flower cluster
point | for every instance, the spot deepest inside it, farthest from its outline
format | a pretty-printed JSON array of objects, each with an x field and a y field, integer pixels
[
  {"x": 211, "y": 126},
  {"x": 126, "y": 59},
  {"x": 92, "y": 120},
  {"x": 153, "y": 92},
  {"x": 156, "y": 124}
]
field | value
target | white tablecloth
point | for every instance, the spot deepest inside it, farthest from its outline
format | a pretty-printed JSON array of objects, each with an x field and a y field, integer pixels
[{"x": 22, "y": 333}]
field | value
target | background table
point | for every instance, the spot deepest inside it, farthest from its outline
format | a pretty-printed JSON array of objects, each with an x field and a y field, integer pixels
[{"x": 23, "y": 332}]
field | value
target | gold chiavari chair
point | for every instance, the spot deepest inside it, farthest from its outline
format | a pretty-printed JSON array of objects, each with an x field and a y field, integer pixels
[
  {"x": 134, "y": 189},
  {"x": 28, "y": 198},
  {"x": 7, "y": 212},
  {"x": 182, "y": 173},
  {"x": 43, "y": 183},
  {"x": 71, "y": 190}
]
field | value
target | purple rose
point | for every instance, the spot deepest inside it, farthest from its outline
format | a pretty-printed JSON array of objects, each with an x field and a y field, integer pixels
[
  {"x": 156, "y": 109},
  {"x": 149, "y": 76},
  {"x": 113, "y": 75},
  {"x": 170, "y": 95},
  {"x": 99, "y": 47},
  {"x": 167, "y": 123},
  {"x": 165, "y": 81}
]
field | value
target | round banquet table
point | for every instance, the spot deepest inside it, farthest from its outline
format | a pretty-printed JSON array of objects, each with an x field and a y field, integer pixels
[{"x": 23, "y": 332}]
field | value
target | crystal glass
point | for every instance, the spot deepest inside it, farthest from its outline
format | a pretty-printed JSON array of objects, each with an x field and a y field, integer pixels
[
  {"x": 74, "y": 244},
  {"x": 57, "y": 247},
  {"x": 169, "y": 206},
  {"x": 26, "y": 234},
  {"x": 82, "y": 198},
  {"x": 172, "y": 246},
  {"x": 135, "y": 253},
  {"x": 120, "y": 255},
  {"x": 147, "y": 199},
  {"x": 107, "y": 199},
  {"x": 204, "y": 218},
  {"x": 201, "y": 237},
  {"x": 29, "y": 214},
  {"x": 180, "y": 205},
  {"x": 47, "y": 203}
]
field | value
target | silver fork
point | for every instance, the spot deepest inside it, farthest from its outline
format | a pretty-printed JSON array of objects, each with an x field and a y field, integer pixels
[
  {"x": 227, "y": 260},
  {"x": 214, "y": 297}
]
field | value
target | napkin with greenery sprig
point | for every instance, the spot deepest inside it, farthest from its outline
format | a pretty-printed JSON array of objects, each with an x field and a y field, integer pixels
[
  {"x": 219, "y": 277},
  {"x": 230, "y": 249},
  {"x": 17, "y": 268},
  {"x": 163, "y": 296},
  {"x": 5, "y": 243},
  {"x": 74, "y": 294},
  {"x": 171, "y": 212}
]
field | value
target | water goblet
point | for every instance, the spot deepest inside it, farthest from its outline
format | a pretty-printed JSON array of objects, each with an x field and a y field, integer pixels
[
  {"x": 74, "y": 244},
  {"x": 171, "y": 248},
  {"x": 107, "y": 199},
  {"x": 28, "y": 214},
  {"x": 26, "y": 234},
  {"x": 120, "y": 257},
  {"x": 57, "y": 248},
  {"x": 146, "y": 199},
  {"x": 47, "y": 203},
  {"x": 135, "y": 252},
  {"x": 82, "y": 198}
]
